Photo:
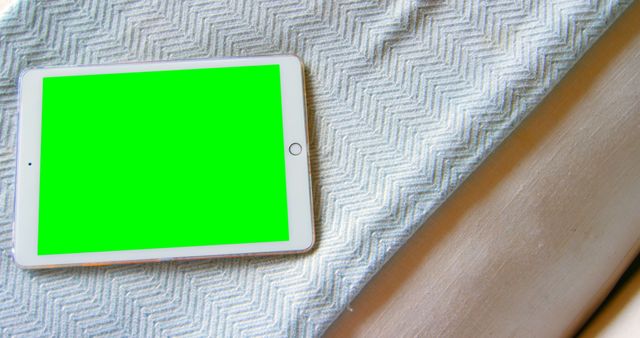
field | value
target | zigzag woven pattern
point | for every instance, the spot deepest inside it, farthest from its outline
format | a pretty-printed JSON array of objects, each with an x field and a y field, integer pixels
[{"x": 406, "y": 98}]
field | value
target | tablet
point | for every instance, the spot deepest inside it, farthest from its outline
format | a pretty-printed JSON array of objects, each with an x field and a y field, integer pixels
[{"x": 162, "y": 161}]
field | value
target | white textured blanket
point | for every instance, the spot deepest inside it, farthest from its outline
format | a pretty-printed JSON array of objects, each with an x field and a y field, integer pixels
[{"x": 405, "y": 99}]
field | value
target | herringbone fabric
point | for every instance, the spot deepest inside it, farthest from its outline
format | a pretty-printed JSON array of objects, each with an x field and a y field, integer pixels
[{"x": 405, "y": 99}]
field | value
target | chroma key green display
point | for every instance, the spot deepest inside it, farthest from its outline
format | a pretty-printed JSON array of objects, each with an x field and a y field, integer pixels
[{"x": 162, "y": 159}]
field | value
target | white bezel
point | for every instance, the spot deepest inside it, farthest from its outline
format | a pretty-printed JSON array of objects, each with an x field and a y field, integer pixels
[{"x": 301, "y": 228}]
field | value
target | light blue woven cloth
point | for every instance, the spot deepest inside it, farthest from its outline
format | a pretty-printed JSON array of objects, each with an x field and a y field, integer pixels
[{"x": 406, "y": 98}]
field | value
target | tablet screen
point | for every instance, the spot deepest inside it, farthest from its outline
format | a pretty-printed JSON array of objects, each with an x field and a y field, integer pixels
[{"x": 162, "y": 159}]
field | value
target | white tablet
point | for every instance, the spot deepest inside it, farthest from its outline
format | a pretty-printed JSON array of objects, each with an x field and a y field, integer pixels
[{"x": 162, "y": 161}]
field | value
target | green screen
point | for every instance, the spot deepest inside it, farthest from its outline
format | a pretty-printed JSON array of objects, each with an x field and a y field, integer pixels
[{"x": 162, "y": 159}]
